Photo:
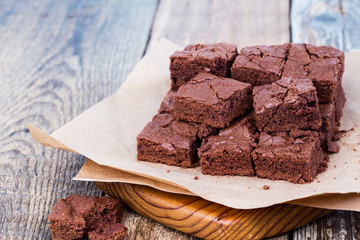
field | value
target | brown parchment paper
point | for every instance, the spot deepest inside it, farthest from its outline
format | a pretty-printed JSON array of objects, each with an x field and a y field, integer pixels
[
  {"x": 92, "y": 171},
  {"x": 106, "y": 133}
]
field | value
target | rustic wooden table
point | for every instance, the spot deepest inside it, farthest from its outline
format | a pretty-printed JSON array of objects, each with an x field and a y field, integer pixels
[{"x": 58, "y": 58}]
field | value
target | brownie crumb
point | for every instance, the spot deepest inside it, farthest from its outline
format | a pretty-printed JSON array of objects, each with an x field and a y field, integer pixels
[
  {"x": 167, "y": 170},
  {"x": 301, "y": 181},
  {"x": 334, "y": 177},
  {"x": 196, "y": 177},
  {"x": 354, "y": 149},
  {"x": 356, "y": 178},
  {"x": 318, "y": 181},
  {"x": 340, "y": 133},
  {"x": 345, "y": 162},
  {"x": 266, "y": 187},
  {"x": 334, "y": 166},
  {"x": 78, "y": 216}
]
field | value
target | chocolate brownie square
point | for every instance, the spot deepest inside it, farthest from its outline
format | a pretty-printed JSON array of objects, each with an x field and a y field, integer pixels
[
  {"x": 294, "y": 156},
  {"x": 324, "y": 72},
  {"x": 167, "y": 106},
  {"x": 339, "y": 104},
  {"x": 215, "y": 58},
  {"x": 328, "y": 127},
  {"x": 229, "y": 152},
  {"x": 212, "y": 100},
  {"x": 169, "y": 141},
  {"x": 285, "y": 105},
  {"x": 317, "y": 52},
  {"x": 77, "y": 216},
  {"x": 323, "y": 65},
  {"x": 261, "y": 64},
  {"x": 297, "y": 61}
]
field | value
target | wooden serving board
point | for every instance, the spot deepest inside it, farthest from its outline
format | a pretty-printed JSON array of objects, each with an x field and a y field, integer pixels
[{"x": 201, "y": 218}]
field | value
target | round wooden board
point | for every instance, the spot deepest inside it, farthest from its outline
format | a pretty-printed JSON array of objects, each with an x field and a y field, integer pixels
[{"x": 201, "y": 218}]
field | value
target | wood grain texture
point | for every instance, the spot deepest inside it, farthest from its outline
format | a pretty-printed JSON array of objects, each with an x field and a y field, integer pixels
[
  {"x": 207, "y": 220},
  {"x": 337, "y": 225},
  {"x": 241, "y": 22},
  {"x": 326, "y": 22},
  {"x": 57, "y": 58}
]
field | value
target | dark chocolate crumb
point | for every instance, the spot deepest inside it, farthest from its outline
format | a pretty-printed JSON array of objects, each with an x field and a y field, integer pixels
[
  {"x": 345, "y": 162},
  {"x": 266, "y": 187},
  {"x": 196, "y": 177},
  {"x": 354, "y": 149},
  {"x": 341, "y": 133}
]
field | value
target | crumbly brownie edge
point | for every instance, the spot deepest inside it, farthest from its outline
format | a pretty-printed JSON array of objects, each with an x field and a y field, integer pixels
[
  {"x": 219, "y": 164},
  {"x": 154, "y": 152}
]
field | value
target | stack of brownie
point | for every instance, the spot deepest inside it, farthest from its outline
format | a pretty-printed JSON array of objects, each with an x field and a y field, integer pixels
[{"x": 268, "y": 111}]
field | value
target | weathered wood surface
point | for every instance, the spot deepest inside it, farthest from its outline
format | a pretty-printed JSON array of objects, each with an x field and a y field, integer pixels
[
  {"x": 58, "y": 58},
  {"x": 326, "y": 22},
  {"x": 241, "y": 22}
]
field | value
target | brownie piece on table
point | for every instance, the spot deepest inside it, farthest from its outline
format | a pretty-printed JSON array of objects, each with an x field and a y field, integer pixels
[
  {"x": 77, "y": 216},
  {"x": 294, "y": 156},
  {"x": 169, "y": 141},
  {"x": 212, "y": 100},
  {"x": 113, "y": 232},
  {"x": 215, "y": 58},
  {"x": 229, "y": 152},
  {"x": 328, "y": 127},
  {"x": 167, "y": 106},
  {"x": 261, "y": 64},
  {"x": 285, "y": 105}
]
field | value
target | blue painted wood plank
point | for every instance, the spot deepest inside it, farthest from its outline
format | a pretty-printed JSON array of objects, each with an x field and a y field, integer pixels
[{"x": 326, "y": 22}]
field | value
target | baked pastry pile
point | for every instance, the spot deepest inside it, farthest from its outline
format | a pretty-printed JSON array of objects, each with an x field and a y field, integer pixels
[{"x": 266, "y": 111}]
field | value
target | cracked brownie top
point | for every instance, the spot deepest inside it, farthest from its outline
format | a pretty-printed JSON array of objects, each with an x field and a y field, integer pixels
[
  {"x": 212, "y": 100},
  {"x": 285, "y": 105}
]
